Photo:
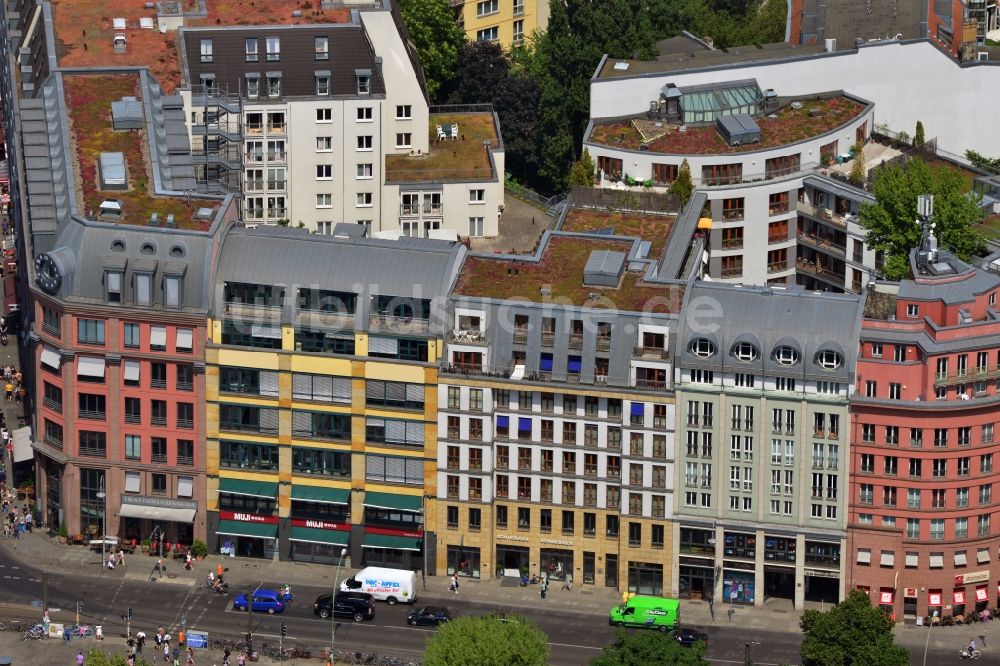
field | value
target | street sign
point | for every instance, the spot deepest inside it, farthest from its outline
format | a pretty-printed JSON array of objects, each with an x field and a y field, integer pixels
[
  {"x": 36, "y": 603},
  {"x": 197, "y": 639}
]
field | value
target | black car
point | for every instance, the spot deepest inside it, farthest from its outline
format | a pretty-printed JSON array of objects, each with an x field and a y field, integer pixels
[
  {"x": 359, "y": 606},
  {"x": 428, "y": 615},
  {"x": 688, "y": 637}
]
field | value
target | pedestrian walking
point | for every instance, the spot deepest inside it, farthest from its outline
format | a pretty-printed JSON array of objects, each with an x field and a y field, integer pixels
[
  {"x": 79, "y": 659},
  {"x": 190, "y": 657},
  {"x": 166, "y": 651},
  {"x": 140, "y": 640},
  {"x": 225, "y": 656},
  {"x": 98, "y": 633},
  {"x": 121, "y": 560},
  {"x": 28, "y": 520},
  {"x": 9, "y": 391},
  {"x": 454, "y": 583},
  {"x": 181, "y": 636},
  {"x": 544, "y": 587},
  {"x": 66, "y": 634},
  {"x": 241, "y": 659}
]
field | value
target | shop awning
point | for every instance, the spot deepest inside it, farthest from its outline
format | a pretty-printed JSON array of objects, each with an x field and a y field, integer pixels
[
  {"x": 638, "y": 409},
  {"x": 185, "y": 338},
  {"x": 321, "y": 495},
  {"x": 315, "y": 535},
  {"x": 937, "y": 561},
  {"x": 864, "y": 556},
  {"x": 983, "y": 555},
  {"x": 960, "y": 559},
  {"x": 237, "y": 528},
  {"x": 171, "y": 514},
  {"x": 574, "y": 364},
  {"x": 249, "y": 488},
  {"x": 391, "y": 541},
  {"x": 391, "y": 501},
  {"x": 131, "y": 370},
  {"x": 912, "y": 559},
  {"x": 158, "y": 336},
  {"x": 888, "y": 559},
  {"x": 503, "y": 421},
  {"x": 22, "y": 444}
]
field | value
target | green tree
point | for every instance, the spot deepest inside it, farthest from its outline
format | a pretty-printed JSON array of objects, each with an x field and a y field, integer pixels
[
  {"x": 682, "y": 185},
  {"x": 890, "y": 225},
  {"x": 918, "y": 135},
  {"x": 582, "y": 173},
  {"x": 481, "y": 69},
  {"x": 438, "y": 38},
  {"x": 852, "y": 633},
  {"x": 991, "y": 164},
  {"x": 487, "y": 641},
  {"x": 857, "y": 174},
  {"x": 648, "y": 648}
]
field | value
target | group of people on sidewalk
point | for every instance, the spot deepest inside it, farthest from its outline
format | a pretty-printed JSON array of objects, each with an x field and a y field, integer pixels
[
  {"x": 162, "y": 640},
  {"x": 14, "y": 389}
]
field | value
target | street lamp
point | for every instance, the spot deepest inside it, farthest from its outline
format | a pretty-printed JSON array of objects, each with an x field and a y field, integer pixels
[
  {"x": 928, "y": 639},
  {"x": 101, "y": 495},
  {"x": 333, "y": 601}
]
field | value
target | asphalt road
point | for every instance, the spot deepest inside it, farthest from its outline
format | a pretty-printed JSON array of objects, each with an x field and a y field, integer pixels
[{"x": 574, "y": 638}]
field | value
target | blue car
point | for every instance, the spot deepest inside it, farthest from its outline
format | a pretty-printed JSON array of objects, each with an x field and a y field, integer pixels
[{"x": 263, "y": 601}]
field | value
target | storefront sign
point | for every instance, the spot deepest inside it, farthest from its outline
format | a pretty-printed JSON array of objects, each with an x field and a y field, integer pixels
[
  {"x": 974, "y": 577},
  {"x": 885, "y": 597},
  {"x": 392, "y": 531},
  {"x": 821, "y": 573},
  {"x": 248, "y": 517},
  {"x": 981, "y": 593},
  {"x": 162, "y": 502},
  {"x": 910, "y": 592},
  {"x": 959, "y": 596},
  {"x": 934, "y": 599},
  {"x": 321, "y": 524},
  {"x": 557, "y": 542},
  {"x": 511, "y": 537}
]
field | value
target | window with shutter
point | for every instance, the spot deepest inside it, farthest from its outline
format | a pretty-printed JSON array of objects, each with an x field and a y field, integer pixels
[
  {"x": 323, "y": 388},
  {"x": 269, "y": 383},
  {"x": 380, "y": 345},
  {"x": 301, "y": 386},
  {"x": 374, "y": 391},
  {"x": 301, "y": 424},
  {"x": 395, "y": 469},
  {"x": 375, "y": 468},
  {"x": 414, "y": 471},
  {"x": 395, "y": 393},
  {"x": 415, "y": 393},
  {"x": 414, "y": 433},
  {"x": 269, "y": 420},
  {"x": 340, "y": 389},
  {"x": 395, "y": 432}
]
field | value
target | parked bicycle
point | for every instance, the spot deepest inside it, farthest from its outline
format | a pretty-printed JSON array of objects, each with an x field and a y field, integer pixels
[{"x": 35, "y": 632}]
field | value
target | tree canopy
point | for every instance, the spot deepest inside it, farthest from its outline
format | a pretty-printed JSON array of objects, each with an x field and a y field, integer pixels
[
  {"x": 437, "y": 36},
  {"x": 853, "y": 633},
  {"x": 648, "y": 648},
  {"x": 890, "y": 222},
  {"x": 487, "y": 641}
]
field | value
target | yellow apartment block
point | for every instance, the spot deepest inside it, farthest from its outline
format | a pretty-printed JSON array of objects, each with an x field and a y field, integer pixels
[{"x": 508, "y": 22}]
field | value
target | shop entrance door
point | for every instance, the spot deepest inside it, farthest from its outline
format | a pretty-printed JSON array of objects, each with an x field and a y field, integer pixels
[{"x": 779, "y": 583}]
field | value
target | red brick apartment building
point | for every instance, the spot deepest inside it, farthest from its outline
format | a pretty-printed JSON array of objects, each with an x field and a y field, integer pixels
[{"x": 922, "y": 527}]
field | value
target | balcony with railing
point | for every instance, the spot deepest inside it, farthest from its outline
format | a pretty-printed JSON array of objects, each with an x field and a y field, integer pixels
[
  {"x": 396, "y": 324},
  {"x": 52, "y": 404},
  {"x": 253, "y": 311},
  {"x": 732, "y": 243},
  {"x": 92, "y": 414},
  {"x": 651, "y": 353},
  {"x": 603, "y": 343},
  {"x": 980, "y": 373},
  {"x": 254, "y": 184},
  {"x": 822, "y": 214},
  {"x": 276, "y": 185},
  {"x": 159, "y": 458},
  {"x": 822, "y": 244},
  {"x": 777, "y": 266},
  {"x": 774, "y": 239},
  {"x": 467, "y": 337}
]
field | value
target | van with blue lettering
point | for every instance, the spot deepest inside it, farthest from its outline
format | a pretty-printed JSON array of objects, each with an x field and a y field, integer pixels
[{"x": 389, "y": 585}]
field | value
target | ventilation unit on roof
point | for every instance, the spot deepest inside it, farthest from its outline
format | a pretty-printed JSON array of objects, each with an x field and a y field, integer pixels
[
  {"x": 126, "y": 114},
  {"x": 203, "y": 214},
  {"x": 112, "y": 171}
]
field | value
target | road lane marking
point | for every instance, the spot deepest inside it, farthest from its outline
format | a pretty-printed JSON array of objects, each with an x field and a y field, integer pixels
[{"x": 582, "y": 647}]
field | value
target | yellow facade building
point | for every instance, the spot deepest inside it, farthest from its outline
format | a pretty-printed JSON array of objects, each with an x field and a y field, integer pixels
[
  {"x": 321, "y": 386},
  {"x": 508, "y": 22}
]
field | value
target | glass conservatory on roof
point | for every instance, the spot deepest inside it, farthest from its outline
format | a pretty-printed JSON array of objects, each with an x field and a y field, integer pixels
[{"x": 706, "y": 103}]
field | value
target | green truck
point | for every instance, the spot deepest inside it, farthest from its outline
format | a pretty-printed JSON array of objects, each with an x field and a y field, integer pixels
[{"x": 649, "y": 612}]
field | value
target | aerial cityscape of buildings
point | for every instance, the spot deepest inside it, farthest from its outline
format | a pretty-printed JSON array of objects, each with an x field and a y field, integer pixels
[{"x": 250, "y": 310}]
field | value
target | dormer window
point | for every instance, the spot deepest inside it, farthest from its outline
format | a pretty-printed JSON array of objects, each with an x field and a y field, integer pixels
[
  {"x": 323, "y": 82},
  {"x": 364, "y": 81},
  {"x": 273, "y": 49},
  {"x": 143, "y": 285},
  {"x": 322, "y": 45},
  {"x": 744, "y": 351},
  {"x": 172, "y": 291},
  {"x": 703, "y": 348},
  {"x": 113, "y": 284},
  {"x": 785, "y": 355},
  {"x": 829, "y": 359}
]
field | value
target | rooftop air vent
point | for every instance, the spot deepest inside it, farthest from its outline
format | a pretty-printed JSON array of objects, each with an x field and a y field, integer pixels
[
  {"x": 604, "y": 268},
  {"x": 126, "y": 114},
  {"x": 204, "y": 214},
  {"x": 112, "y": 169},
  {"x": 738, "y": 129}
]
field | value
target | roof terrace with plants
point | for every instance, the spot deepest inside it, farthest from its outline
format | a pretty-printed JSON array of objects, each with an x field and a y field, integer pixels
[
  {"x": 793, "y": 121},
  {"x": 462, "y": 143},
  {"x": 96, "y": 33},
  {"x": 556, "y": 274},
  {"x": 132, "y": 198},
  {"x": 652, "y": 227}
]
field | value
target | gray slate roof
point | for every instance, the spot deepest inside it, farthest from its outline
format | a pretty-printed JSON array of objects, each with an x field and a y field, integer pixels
[
  {"x": 768, "y": 317},
  {"x": 408, "y": 267},
  {"x": 83, "y": 250}
]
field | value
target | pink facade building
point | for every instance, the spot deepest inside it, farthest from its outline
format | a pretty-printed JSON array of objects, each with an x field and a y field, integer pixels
[{"x": 922, "y": 527}]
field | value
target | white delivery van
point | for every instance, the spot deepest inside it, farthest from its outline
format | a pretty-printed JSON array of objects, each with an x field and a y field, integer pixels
[{"x": 389, "y": 585}]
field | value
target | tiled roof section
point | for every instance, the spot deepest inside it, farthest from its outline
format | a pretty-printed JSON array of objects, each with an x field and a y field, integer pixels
[
  {"x": 348, "y": 51},
  {"x": 85, "y": 30}
]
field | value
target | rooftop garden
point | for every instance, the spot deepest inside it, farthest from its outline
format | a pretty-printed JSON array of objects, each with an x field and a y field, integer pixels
[
  {"x": 561, "y": 272},
  {"x": 652, "y": 228},
  {"x": 88, "y": 103},
  {"x": 462, "y": 158},
  {"x": 85, "y": 35},
  {"x": 789, "y": 126}
]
